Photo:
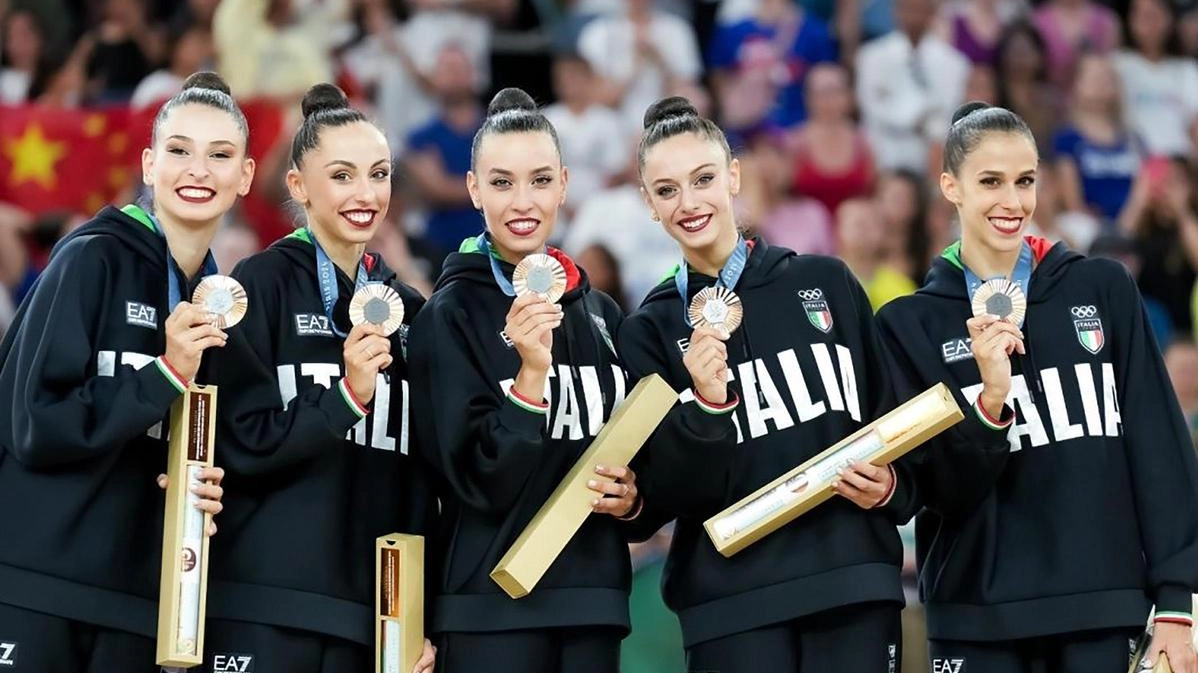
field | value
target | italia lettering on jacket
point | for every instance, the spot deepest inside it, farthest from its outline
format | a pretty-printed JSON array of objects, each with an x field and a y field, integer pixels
[
  {"x": 106, "y": 364},
  {"x": 573, "y": 391},
  {"x": 372, "y": 431},
  {"x": 1099, "y": 416}
]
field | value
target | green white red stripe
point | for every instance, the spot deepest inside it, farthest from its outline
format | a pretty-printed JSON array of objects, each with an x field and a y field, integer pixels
[
  {"x": 717, "y": 409},
  {"x": 1174, "y": 618},
  {"x": 351, "y": 399},
  {"x": 527, "y": 404},
  {"x": 989, "y": 421},
  {"x": 176, "y": 379}
]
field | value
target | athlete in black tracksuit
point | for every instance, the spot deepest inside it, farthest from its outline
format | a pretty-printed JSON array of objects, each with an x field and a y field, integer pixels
[
  {"x": 1078, "y": 517},
  {"x": 314, "y": 476},
  {"x": 82, "y": 437},
  {"x": 500, "y": 458},
  {"x": 1053, "y": 521},
  {"x": 827, "y": 583}
]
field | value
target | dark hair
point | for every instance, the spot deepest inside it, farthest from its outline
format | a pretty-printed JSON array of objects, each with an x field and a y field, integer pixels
[
  {"x": 512, "y": 111},
  {"x": 674, "y": 116},
  {"x": 971, "y": 122},
  {"x": 324, "y": 106},
  {"x": 1019, "y": 28},
  {"x": 49, "y": 62},
  {"x": 203, "y": 88},
  {"x": 1172, "y": 45}
]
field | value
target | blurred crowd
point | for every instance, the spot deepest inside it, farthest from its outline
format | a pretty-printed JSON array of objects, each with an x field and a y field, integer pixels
[{"x": 836, "y": 109}]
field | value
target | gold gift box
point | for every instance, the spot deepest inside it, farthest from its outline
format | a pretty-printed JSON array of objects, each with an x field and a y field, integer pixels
[
  {"x": 399, "y": 606},
  {"x": 184, "y": 588},
  {"x": 570, "y": 504},
  {"x": 801, "y": 489}
]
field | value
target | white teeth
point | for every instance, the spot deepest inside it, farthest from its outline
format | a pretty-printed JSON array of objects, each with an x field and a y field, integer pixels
[
  {"x": 195, "y": 193},
  {"x": 522, "y": 226},
  {"x": 1005, "y": 224},
  {"x": 693, "y": 225},
  {"x": 359, "y": 216}
]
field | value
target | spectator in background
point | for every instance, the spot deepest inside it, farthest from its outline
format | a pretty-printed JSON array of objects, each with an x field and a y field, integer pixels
[
  {"x": 1124, "y": 250},
  {"x": 233, "y": 242},
  {"x": 768, "y": 206},
  {"x": 272, "y": 48},
  {"x": 603, "y": 272},
  {"x": 192, "y": 14},
  {"x": 903, "y": 202},
  {"x": 832, "y": 159},
  {"x": 908, "y": 84},
  {"x": 1070, "y": 28},
  {"x": 1160, "y": 215},
  {"x": 1181, "y": 361},
  {"x": 26, "y": 60},
  {"x": 1096, "y": 158},
  {"x": 394, "y": 60},
  {"x": 982, "y": 84},
  {"x": 759, "y": 66},
  {"x": 860, "y": 231},
  {"x": 975, "y": 26},
  {"x": 190, "y": 51},
  {"x": 1023, "y": 83},
  {"x": 14, "y": 260},
  {"x": 589, "y": 133},
  {"x": 439, "y": 153},
  {"x": 640, "y": 56},
  {"x": 1187, "y": 31},
  {"x": 123, "y": 49},
  {"x": 1160, "y": 88}
]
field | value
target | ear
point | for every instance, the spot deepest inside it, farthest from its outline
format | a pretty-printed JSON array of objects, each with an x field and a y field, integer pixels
[
  {"x": 950, "y": 189},
  {"x": 147, "y": 167},
  {"x": 565, "y": 184},
  {"x": 734, "y": 176},
  {"x": 247, "y": 176},
  {"x": 649, "y": 204},
  {"x": 295, "y": 186},
  {"x": 472, "y": 187}
]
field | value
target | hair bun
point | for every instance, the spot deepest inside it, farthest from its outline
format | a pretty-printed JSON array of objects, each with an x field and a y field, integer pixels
[
  {"x": 323, "y": 97},
  {"x": 206, "y": 80},
  {"x": 511, "y": 98},
  {"x": 667, "y": 108},
  {"x": 967, "y": 109}
]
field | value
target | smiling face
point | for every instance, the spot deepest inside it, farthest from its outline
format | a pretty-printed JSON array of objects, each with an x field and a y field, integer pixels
[
  {"x": 688, "y": 183},
  {"x": 344, "y": 183},
  {"x": 519, "y": 183},
  {"x": 994, "y": 190},
  {"x": 198, "y": 165}
]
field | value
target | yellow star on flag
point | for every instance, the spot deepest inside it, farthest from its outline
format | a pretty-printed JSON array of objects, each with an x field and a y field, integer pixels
[{"x": 33, "y": 158}]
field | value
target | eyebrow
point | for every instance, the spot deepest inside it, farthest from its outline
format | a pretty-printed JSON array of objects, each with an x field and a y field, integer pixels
[
  {"x": 700, "y": 168},
  {"x": 189, "y": 140},
  {"x": 987, "y": 173},
  {"x": 504, "y": 171}
]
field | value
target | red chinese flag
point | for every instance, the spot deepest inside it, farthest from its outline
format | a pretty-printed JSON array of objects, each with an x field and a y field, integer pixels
[{"x": 61, "y": 159}]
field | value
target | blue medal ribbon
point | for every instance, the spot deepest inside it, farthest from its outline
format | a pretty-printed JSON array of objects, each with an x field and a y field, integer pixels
[
  {"x": 728, "y": 277},
  {"x": 1021, "y": 276},
  {"x": 174, "y": 290},
  {"x": 326, "y": 275}
]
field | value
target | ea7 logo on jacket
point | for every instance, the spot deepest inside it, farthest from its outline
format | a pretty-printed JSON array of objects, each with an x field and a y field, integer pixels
[
  {"x": 232, "y": 663},
  {"x": 817, "y": 309},
  {"x": 8, "y": 654},
  {"x": 956, "y": 350},
  {"x": 948, "y": 666},
  {"x": 311, "y": 324},
  {"x": 142, "y": 315},
  {"x": 1088, "y": 326}
]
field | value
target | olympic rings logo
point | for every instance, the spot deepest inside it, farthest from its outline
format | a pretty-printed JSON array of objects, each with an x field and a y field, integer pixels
[
  {"x": 811, "y": 295},
  {"x": 1084, "y": 311}
]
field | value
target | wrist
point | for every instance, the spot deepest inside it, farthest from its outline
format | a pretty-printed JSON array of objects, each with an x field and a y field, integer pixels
[
  {"x": 992, "y": 401},
  {"x": 530, "y": 383}
]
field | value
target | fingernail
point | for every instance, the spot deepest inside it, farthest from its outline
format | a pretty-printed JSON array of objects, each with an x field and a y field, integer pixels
[
  {"x": 835, "y": 483},
  {"x": 194, "y": 489},
  {"x": 599, "y": 468},
  {"x": 592, "y": 483},
  {"x": 594, "y": 503},
  {"x": 840, "y": 471}
]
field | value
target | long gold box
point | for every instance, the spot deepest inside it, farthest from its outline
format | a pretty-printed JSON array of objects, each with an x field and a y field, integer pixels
[
  {"x": 570, "y": 504},
  {"x": 801, "y": 489},
  {"x": 399, "y": 604},
  {"x": 184, "y": 588}
]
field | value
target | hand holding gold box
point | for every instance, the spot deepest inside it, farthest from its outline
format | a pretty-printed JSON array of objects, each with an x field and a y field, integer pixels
[
  {"x": 399, "y": 610},
  {"x": 184, "y": 585},
  {"x": 784, "y": 499},
  {"x": 570, "y": 504}
]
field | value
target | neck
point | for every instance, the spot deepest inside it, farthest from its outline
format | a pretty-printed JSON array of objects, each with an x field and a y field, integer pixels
[
  {"x": 344, "y": 254},
  {"x": 711, "y": 259},
  {"x": 1153, "y": 54},
  {"x": 510, "y": 256},
  {"x": 987, "y": 263},
  {"x": 461, "y": 113},
  {"x": 188, "y": 246}
]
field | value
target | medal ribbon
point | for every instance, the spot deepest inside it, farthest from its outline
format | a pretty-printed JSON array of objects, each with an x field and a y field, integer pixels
[
  {"x": 484, "y": 244},
  {"x": 174, "y": 291},
  {"x": 728, "y": 277},
  {"x": 326, "y": 275},
  {"x": 1021, "y": 275}
]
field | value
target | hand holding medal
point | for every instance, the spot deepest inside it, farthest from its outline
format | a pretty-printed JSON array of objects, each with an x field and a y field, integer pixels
[
  {"x": 376, "y": 312},
  {"x": 219, "y": 302},
  {"x": 715, "y": 312}
]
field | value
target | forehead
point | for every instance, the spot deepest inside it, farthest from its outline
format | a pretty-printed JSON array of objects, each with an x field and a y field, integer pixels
[
  {"x": 517, "y": 152},
  {"x": 1003, "y": 152},
  {"x": 355, "y": 138},
  {"x": 201, "y": 123},
  {"x": 682, "y": 154}
]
